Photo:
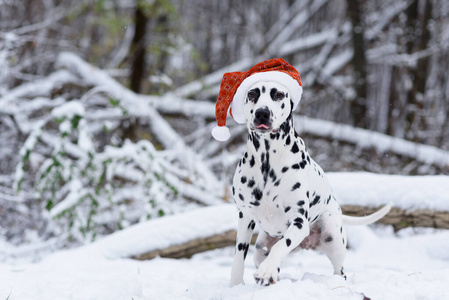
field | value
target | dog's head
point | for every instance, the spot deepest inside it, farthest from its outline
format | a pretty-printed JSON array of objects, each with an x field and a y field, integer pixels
[{"x": 267, "y": 106}]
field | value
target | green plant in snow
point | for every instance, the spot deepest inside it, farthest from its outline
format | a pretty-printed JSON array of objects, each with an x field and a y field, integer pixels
[{"x": 85, "y": 191}]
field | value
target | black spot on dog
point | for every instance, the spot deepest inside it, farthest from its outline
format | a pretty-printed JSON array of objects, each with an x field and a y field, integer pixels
[
  {"x": 263, "y": 89},
  {"x": 296, "y": 186},
  {"x": 328, "y": 239},
  {"x": 240, "y": 215},
  {"x": 287, "y": 209},
  {"x": 295, "y": 148},
  {"x": 257, "y": 193},
  {"x": 267, "y": 145},
  {"x": 251, "y": 225},
  {"x": 241, "y": 197},
  {"x": 285, "y": 127},
  {"x": 283, "y": 106},
  {"x": 301, "y": 202},
  {"x": 273, "y": 93},
  {"x": 255, "y": 203},
  {"x": 315, "y": 201},
  {"x": 288, "y": 242},
  {"x": 233, "y": 190},
  {"x": 252, "y": 161},
  {"x": 284, "y": 169},
  {"x": 243, "y": 247},
  {"x": 251, "y": 183},
  {"x": 287, "y": 141},
  {"x": 243, "y": 179},
  {"x": 256, "y": 143},
  {"x": 277, "y": 183},
  {"x": 272, "y": 175},
  {"x": 301, "y": 211},
  {"x": 298, "y": 222}
]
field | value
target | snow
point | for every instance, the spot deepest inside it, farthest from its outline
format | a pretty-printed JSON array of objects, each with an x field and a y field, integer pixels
[
  {"x": 69, "y": 110},
  {"x": 381, "y": 264},
  {"x": 406, "y": 192}
]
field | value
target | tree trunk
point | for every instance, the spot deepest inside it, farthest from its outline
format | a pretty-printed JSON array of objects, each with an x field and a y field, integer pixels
[
  {"x": 358, "y": 105},
  {"x": 138, "y": 49},
  {"x": 417, "y": 38}
]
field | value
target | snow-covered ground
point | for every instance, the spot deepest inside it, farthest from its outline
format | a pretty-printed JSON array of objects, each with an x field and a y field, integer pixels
[{"x": 380, "y": 264}]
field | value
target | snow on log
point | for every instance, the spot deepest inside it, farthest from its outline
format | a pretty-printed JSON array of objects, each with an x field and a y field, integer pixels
[{"x": 158, "y": 234}]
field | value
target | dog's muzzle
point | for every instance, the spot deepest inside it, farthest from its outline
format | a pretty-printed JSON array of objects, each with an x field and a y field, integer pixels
[{"x": 262, "y": 119}]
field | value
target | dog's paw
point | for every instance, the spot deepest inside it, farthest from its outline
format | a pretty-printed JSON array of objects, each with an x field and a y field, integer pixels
[{"x": 266, "y": 275}]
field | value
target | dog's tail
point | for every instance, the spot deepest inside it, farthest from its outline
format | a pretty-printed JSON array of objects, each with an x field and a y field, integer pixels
[{"x": 369, "y": 219}]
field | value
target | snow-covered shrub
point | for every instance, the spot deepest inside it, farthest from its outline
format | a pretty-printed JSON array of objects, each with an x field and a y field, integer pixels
[{"x": 86, "y": 191}]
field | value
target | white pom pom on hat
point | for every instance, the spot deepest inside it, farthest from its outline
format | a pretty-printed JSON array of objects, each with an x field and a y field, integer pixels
[
  {"x": 221, "y": 133},
  {"x": 234, "y": 86}
]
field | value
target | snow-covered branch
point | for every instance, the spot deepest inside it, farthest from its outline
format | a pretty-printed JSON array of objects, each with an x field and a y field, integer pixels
[
  {"x": 142, "y": 107},
  {"x": 370, "y": 139}
]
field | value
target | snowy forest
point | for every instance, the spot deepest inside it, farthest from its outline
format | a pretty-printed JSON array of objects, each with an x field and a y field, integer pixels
[{"x": 106, "y": 109}]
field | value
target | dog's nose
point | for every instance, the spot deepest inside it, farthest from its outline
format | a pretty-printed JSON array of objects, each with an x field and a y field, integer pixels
[{"x": 262, "y": 115}]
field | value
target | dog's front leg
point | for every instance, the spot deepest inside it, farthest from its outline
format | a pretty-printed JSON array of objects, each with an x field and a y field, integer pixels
[
  {"x": 268, "y": 271},
  {"x": 244, "y": 233}
]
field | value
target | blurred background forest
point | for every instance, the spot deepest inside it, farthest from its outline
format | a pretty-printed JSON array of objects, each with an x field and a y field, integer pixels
[{"x": 106, "y": 106}]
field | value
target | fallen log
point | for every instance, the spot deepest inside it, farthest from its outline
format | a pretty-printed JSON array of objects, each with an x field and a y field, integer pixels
[
  {"x": 190, "y": 248},
  {"x": 398, "y": 218}
]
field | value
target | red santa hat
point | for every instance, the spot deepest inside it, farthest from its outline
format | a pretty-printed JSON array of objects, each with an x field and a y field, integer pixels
[{"x": 235, "y": 85}]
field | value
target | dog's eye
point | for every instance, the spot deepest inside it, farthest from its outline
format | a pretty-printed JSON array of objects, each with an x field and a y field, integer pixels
[
  {"x": 251, "y": 96},
  {"x": 279, "y": 96}
]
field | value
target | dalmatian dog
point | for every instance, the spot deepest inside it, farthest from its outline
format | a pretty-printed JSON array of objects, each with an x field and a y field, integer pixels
[{"x": 278, "y": 187}]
